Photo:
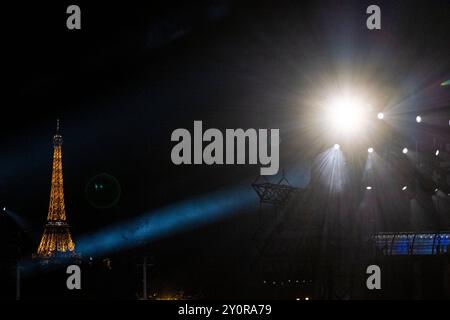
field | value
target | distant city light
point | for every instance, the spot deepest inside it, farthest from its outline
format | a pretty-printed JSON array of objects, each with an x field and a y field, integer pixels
[
  {"x": 418, "y": 119},
  {"x": 370, "y": 150},
  {"x": 4, "y": 208},
  {"x": 404, "y": 188},
  {"x": 437, "y": 152},
  {"x": 369, "y": 187},
  {"x": 298, "y": 299},
  {"x": 380, "y": 116},
  {"x": 405, "y": 150},
  {"x": 307, "y": 298}
]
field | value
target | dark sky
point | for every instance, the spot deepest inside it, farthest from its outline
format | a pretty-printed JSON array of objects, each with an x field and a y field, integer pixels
[{"x": 136, "y": 72}]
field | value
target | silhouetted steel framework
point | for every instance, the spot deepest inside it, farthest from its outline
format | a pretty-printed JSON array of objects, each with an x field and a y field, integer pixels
[
  {"x": 274, "y": 193},
  {"x": 56, "y": 240}
]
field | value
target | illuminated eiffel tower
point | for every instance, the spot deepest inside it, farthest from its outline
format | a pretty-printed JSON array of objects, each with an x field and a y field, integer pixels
[{"x": 56, "y": 240}]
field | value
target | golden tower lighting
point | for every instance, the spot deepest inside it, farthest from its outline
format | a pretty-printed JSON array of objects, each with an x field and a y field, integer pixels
[{"x": 56, "y": 240}]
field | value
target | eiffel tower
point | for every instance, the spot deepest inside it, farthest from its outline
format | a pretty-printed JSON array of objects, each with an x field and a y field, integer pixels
[{"x": 56, "y": 240}]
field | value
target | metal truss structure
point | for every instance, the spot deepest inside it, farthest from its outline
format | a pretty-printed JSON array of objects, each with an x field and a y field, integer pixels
[{"x": 276, "y": 194}]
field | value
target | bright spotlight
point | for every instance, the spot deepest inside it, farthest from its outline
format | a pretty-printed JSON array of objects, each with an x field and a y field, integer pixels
[
  {"x": 380, "y": 115},
  {"x": 370, "y": 150},
  {"x": 405, "y": 150},
  {"x": 346, "y": 113},
  {"x": 437, "y": 152},
  {"x": 404, "y": 188},
  {"x": 4, "y": 209},
  {"x": 369, "y": 188},
  {"x": 418, "y": 119},
  {"x": 336, "y": 146}
]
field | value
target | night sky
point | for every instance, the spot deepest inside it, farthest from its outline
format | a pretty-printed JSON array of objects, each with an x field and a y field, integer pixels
[{"x": 135, "y": 72}]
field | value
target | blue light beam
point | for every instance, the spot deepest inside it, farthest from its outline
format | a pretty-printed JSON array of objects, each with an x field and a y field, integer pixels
[
  {"x": 20, "y": 221},
  {"x": 168, "y": 220}
]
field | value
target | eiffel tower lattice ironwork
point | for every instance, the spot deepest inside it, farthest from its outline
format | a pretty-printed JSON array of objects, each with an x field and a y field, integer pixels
[{"x": 56, "y": 240}]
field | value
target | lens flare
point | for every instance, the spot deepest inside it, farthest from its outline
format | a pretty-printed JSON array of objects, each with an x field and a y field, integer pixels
[{"x": 346, "y": 113}]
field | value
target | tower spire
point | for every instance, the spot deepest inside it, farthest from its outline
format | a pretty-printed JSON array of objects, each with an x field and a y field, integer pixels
[{"x": 57, "y": 126}]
